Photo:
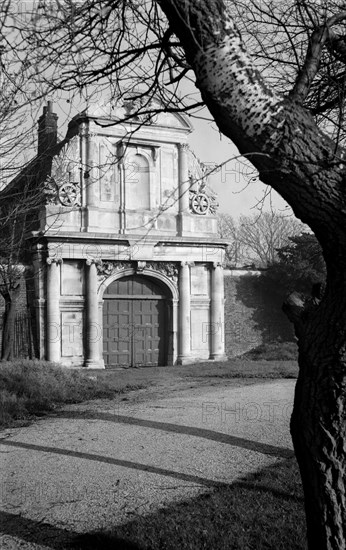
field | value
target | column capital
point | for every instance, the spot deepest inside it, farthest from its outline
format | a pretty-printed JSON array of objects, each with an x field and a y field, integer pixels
[
  {"x": 187, "y": 264},
  {"x": 183, "y": 147},
  {"x": 217, "y": 264},
  {"x": 84, "y": 133},
  {"x": 90, "y": 261},
  {"x": 121, "y": 149},
  {"x": 53, "y": 260}
]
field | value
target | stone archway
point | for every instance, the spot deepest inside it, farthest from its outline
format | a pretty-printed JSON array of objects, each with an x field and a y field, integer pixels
[{"x": 136, "y": 320}]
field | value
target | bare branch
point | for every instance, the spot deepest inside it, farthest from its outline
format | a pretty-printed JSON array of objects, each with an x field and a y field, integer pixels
[{"x": 313, "y": 57}]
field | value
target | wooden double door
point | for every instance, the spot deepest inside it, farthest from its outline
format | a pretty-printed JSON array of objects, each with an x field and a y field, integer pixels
[{"x": 135, "y": 323}]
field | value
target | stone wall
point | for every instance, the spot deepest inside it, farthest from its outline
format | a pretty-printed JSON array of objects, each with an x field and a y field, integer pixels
[{"x": 253, "y": 313}]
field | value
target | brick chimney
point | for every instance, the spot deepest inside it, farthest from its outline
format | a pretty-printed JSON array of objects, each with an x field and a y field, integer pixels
[{"x": 47, "y": 129}]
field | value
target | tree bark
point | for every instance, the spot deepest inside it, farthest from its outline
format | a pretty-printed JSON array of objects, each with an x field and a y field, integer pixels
[
  {"x": 318, "y": 423},
  {"x": 292, "y": 155},
  {"x": 8, "y": 331}
]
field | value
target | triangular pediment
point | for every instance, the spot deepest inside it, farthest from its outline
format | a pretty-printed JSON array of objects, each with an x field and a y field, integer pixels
[{"x": 135, "y": 112}]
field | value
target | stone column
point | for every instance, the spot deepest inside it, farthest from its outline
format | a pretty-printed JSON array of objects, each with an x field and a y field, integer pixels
[
  {"x": 184, "y": 328},
  {"x": 53, "y": 310},
  {"x": 184, "y": 182},
  {"x": 217, "y": 350},
  {"x": 93, "y": 329}
]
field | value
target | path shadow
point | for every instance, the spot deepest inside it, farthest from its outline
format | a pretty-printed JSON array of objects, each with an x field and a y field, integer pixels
[
  {"x": 199, "y": 480},
  {"x": 220, "y": 437},
  {"x": 36, "y": 532},
  {"x": 262, "y": 511}
]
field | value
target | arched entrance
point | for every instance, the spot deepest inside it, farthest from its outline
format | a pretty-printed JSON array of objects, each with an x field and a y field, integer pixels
[{"x": 135, "y": 322}]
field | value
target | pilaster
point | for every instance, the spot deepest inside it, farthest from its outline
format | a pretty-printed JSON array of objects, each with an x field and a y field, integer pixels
[
  {"x": 90, "y": 180},
  {"x": 53, "y": 310},
  {"x": 183, "y": 178},
  {"x": 217, "y": 344},
  {"x": 184, "y": 185}
]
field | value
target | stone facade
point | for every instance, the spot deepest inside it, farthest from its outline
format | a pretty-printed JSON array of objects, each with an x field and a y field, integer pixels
[{"x": 127, "y": 259}]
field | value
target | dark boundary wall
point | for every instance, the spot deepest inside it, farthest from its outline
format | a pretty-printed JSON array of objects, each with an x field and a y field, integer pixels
[{"x": 253, "y": 314}]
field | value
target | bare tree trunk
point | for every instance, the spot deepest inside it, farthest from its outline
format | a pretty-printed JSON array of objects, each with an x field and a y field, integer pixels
[
  {"x": 295, "y": 158},
  {"x": 8, "y": 331},
  {"x": 318, "y": 423}
]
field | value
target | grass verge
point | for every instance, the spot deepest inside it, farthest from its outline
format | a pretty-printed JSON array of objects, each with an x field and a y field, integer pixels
[
  {"x": 209, "y": 372},
  {"x": 31, "y": 388},
  {"x": 274, "y": 351},
  {"x": 262, "y": 511},
  {"x": 242, "y": 368}
]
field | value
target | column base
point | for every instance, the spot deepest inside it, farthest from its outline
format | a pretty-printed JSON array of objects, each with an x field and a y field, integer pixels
[
  {"x": 218, "y": 357},
  {"x": 92, "y": 364},
  {"x": 184, "y": 360}
]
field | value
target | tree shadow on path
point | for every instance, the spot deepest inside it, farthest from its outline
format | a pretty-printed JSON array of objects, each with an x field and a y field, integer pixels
[{"x": 261, "y": 511}]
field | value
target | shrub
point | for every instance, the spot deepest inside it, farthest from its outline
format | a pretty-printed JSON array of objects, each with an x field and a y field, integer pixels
[
  {"x": 273, "y": 351},
  {"x": 34, "y": 387}
]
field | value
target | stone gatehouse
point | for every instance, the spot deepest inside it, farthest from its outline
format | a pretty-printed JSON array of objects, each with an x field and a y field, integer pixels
[{"x": 127, "y": 261}]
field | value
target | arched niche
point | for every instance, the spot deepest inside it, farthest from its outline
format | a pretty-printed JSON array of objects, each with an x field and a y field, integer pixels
[{"x": 137, "y": 182}]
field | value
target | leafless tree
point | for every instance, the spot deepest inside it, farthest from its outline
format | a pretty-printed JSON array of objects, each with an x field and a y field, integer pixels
[
  {"x": 254, "y": 239},
  {"x": 19, "y": 212},
  {"x": 287, "y": 118},
  {"x": 19, "y": 92},
  {"x": 16, "y": 147},
  {"x": 262, "y": 234},
  {"x": 228, "y": 229}
]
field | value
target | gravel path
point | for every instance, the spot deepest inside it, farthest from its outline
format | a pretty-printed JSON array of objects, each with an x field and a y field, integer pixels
[{"x": 109, "y": 461}]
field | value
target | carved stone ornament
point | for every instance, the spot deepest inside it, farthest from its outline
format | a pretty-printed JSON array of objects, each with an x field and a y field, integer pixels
[
  {"x": 203, "y": 203},
  {"x": 69, "y": 194},
  {"x": 50, "y": 190},
  {"x": 107, "y": 268},
  {"x": 134, "y": 108},
  {"x": 171, "y": 269},
  {"x": 62, "y": 186},
  {"x": 202, "y": 198},
  {"x": 214, "y": 205},
  {"x": 54, "y": 260},
  {"x": 199, "y": 203}
]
